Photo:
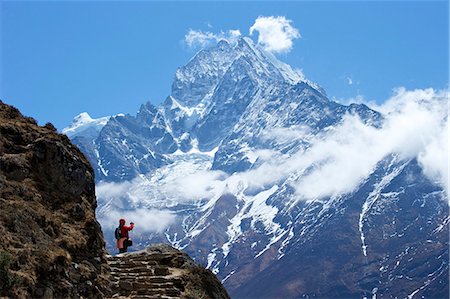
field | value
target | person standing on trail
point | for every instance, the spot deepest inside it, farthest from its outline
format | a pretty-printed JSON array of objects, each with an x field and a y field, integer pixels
[{"x": 122, "y": 237}]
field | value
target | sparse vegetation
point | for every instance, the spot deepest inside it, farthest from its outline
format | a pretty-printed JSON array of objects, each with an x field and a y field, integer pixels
[
  {"x": 202, "y": 283},
  {"x": 7, "y": 279}
]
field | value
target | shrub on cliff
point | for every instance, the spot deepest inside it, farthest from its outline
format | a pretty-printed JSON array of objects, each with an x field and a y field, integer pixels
[{"x": 7, "y": 279}]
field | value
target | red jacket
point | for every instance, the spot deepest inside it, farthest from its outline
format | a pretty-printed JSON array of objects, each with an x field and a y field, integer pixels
[{"x": 124, "y": 230}]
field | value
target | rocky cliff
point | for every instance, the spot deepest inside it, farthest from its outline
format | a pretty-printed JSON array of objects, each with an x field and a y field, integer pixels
[
  {"x": 49, "y": 235},
  {"x": 51, "y": 245}
]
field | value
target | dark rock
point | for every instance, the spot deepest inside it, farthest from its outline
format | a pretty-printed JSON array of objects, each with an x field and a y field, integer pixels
[
  {"x": 126, "y": 285},
  {"x": 50, "y": 126},
  {"x": 161, "y": 271},
  {"x": 47, "y": 219},
  {"x": 78, "y": 212}
]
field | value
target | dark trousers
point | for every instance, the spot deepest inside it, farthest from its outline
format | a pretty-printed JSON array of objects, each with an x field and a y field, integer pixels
[{"x": 125, "y": 247}]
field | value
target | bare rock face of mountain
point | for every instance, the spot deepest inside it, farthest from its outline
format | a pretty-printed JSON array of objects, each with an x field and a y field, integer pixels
[
  {"x": 51, "y": 244},
  {"x": 161, "y": 271}
]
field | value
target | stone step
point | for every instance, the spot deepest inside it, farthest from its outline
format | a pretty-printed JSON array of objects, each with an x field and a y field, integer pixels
[
  {"x": 144, "y": 276},
  {"x": 153, "y": 297},
  {"x": 146, "y": 297},
  {"x": 121, "y": 263},
  {"x": 154, "y": 293},
  {"x": 139, "y": 277},
  {"x": 125, "y": 268},
  {"x": 134, "y": 277},
  {"x": 160, "y": 269},
  {"x": 152, "y": 272},
  {"x": 149, "y": 280},
  {"x": 146, "y": 257},
  {"x": 133, "y": 285},
  {"x": 133, "y": 273},
  {"x": 152, "y": 279},
  {"x": 162, "y": 279},
  {"x": 143, "y": 285},
  {"x": 168, "y": 291},
  {"x": 172, "y": 292}
]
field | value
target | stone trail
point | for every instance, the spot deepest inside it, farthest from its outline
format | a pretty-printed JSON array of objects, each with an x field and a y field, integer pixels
[{"x": 146, "y": 275}]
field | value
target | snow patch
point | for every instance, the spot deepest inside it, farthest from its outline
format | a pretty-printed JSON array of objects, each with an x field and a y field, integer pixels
[
  {"x": 83, "y": 124},
  {"x": 373, "y": 197}
]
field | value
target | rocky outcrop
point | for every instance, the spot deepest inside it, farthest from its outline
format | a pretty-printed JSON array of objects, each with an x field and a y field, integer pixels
[
  {"x": 161, "y": 271},
  {"x": 51, "y": 244}
]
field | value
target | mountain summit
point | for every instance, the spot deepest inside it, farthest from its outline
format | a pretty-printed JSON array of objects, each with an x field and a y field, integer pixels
[{"x": 209, "y": 96}]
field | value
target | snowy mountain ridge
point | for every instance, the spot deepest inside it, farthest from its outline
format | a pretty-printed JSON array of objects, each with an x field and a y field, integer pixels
[
  {"x": 254, "y": 172},
  {"x": 84, "y": 124}
]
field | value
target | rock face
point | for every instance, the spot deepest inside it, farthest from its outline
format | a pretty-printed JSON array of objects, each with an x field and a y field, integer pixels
[
  {"x": 161, "y": 271},
  {"x": 48, "y": 228}
]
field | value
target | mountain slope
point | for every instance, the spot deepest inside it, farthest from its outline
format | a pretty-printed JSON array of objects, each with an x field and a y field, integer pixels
[
  {"x": 387, "y": 253},
  {"x": 253, "y": 171}
]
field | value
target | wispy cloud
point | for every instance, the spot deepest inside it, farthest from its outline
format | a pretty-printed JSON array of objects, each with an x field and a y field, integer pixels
[
  {"x": 146, "y": 220},
  {"x": 276, "y": 34},
  {"x": 349, "y": 80},
  {"x": 337, "y": 160},
  {"x": 415, "y": 126},
  {"x": 201, "y": 39},
  {"x": 181, "y": 181},
  {"x": 358, "y": 99}
]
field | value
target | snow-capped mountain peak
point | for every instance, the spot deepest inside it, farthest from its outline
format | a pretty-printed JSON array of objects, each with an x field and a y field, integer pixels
[
  {"x": 201, "y": 75},
  {"x": 84, "y": 124}
]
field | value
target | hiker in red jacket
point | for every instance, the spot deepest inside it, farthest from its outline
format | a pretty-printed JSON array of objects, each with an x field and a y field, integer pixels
[{"x": 122, "y": 236}]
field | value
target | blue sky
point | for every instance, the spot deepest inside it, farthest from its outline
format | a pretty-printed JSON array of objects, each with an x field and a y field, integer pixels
[{"x": 63, "y": 58}]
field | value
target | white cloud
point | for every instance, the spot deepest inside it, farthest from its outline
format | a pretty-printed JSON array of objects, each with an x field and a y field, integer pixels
[
  {"x": 147, "y": 201},
  {"x": 181, "y": 181},
  {"x": 111, "y": 189},
  {"x": 282, "y": 135},
  {"x": 434, "y": 158},
  {"x": 193, "y": 186},
  {"x": 415, "y": 126},
  {"x": 146, "y": 220},
  {"x": 201, "y": 39},
  {"x": 300, "y": 72},
  {"x": 275, "y": 33}
]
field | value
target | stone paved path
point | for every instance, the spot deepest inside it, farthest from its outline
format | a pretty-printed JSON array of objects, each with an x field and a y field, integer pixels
[{"x": 142, "y": 276}]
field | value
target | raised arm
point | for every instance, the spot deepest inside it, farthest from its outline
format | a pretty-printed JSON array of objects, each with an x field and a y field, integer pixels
[{"x": 130, "y": 227}]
